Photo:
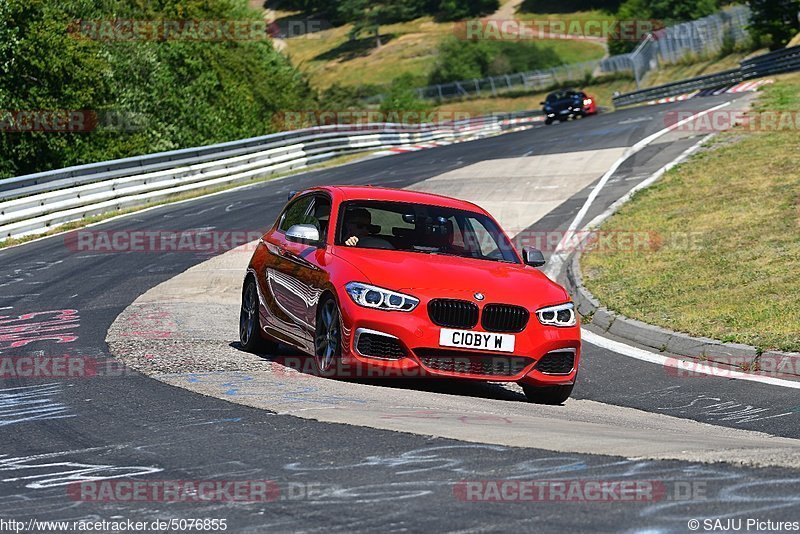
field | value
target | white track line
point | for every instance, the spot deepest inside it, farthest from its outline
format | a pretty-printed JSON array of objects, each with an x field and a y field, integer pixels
[
  {"x": 558, "y": 256},
  {"x": 673, "y": 363}
]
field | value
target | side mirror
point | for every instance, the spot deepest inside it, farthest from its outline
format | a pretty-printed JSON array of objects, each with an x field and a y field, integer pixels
[
  {"x": 533, "y": 257},
  {"x": 292, "y": 195},
  {"x": 303, "y": 233},
  {"x": 542, "y": 103}
]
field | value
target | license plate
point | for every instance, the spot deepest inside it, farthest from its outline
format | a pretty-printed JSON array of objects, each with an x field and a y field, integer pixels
[{"x": 466, "y": 339}]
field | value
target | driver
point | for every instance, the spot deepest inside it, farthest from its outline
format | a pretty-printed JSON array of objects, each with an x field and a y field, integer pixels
[{"x": 357, "y": 225}]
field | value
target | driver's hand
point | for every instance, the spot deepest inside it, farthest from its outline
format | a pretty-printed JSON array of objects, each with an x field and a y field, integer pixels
[{"x": 351, "y": 241}]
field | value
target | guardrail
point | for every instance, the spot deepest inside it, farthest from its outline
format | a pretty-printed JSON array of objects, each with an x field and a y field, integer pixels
[
  {"x": 35, "y": 203},
  {"x": 785, "y": 60}
]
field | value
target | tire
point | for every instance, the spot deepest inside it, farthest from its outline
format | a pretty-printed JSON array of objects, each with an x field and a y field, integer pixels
[
  {"x": 328, "y": 335},
  {"x": 548, "y": 394},
  {"x": 250, "y": 336},
  {"x": 548, "y": 121}
]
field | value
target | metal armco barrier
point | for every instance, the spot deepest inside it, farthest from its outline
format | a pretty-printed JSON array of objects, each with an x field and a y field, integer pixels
[
  {"x": 786, "y": 60},
  {"x": 35, "y": 203}
]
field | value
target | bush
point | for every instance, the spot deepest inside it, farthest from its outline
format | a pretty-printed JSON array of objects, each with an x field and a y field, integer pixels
[
  {"x": 465, "y": 60},
  {"x": 402, "y": 96}
]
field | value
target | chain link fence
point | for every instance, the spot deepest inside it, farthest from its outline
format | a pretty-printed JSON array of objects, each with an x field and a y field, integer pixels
[
  {"x": 699, "y": 38},
  {"x": 703, "y": 37}
]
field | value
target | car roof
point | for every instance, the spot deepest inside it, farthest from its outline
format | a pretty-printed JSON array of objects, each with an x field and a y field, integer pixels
[
  {"x": 563, "y": 92},
  {"x": 361, "y": 192}
]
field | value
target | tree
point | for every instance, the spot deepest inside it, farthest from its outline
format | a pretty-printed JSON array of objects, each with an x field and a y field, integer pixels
[
  {"x": 368, "y": 16},
  {"x": 177, "y": 93},
  {"x": 461, "y": 9},
  {"x": 661, "y": 13},
  {"x": 774, "y": 22}
]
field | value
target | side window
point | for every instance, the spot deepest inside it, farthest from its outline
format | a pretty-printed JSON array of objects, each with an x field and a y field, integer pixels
[
  {"x": 295, "y": 213},
  {"x": 456, "y": 233},
  {"x": 320, "y": 215}
]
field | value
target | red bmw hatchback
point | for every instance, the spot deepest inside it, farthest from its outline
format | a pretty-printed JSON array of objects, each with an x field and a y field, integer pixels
[{"x": 383, "y": 282}]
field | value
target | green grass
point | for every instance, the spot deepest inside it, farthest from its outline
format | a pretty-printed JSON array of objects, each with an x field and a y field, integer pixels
[{"x": 724, "y": 260}]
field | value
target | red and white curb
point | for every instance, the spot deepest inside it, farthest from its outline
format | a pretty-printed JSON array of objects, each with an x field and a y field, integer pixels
[
  {"x": 414, "y": 148},
  {"x": 678, "y": 98},
  {"x": 738, "y": 88},
  {"x": 521, "y": 124},
  {"x": 749, "y": 86}
]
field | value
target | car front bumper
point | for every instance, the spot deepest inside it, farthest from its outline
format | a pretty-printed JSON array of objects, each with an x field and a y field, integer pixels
[{"x": 424, "y": 357}]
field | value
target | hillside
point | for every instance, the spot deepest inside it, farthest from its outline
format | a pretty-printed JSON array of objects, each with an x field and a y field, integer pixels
[{"x": 329, "y": 56}]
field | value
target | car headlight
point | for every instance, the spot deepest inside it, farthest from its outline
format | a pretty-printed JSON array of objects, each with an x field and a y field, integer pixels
[
  {"x": 561, "y": 315},
  {"x": 380, "y": 298}
]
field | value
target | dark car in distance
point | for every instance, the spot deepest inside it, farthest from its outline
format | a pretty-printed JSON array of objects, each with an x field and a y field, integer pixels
[{"x": 568, "y": 104}]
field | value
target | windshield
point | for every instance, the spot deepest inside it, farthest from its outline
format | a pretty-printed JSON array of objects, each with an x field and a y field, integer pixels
[
  {"x": 423, "y": 229},
  {"x": 555, "y": 97}
]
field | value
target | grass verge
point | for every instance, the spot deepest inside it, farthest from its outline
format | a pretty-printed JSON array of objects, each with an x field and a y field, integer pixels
[{"x": 724, "y": 254}]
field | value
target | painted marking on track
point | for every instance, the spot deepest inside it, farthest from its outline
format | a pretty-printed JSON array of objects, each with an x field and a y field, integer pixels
[
  {"x": 50, "y": 470},
  {"x": 651, "y": 357},
  {"x": 31, "y": 403},
  {"x": 52, "y": 325}
]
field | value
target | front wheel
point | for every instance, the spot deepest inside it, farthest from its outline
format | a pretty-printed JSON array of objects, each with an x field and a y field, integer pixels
[
  {"x": 250, "y": 324},
  {"x": 547, "y": 394},
  {"x": 327, "y": 338}
]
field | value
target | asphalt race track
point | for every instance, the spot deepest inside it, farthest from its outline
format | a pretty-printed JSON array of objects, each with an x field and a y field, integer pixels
[{"x": 56, "y": 432}]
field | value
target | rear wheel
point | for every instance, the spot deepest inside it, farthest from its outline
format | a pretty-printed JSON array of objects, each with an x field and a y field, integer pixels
[
  {"x": 250, "y": 324},
  {"x": 547, "y": 394},
  {"x": 327, "y": 339}
]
